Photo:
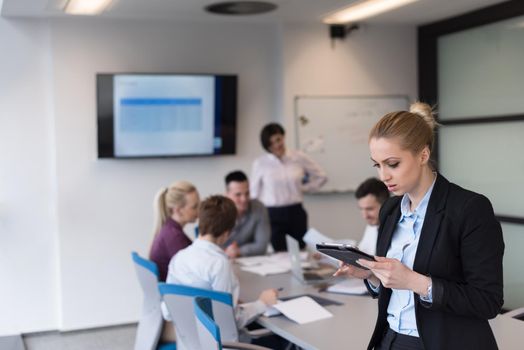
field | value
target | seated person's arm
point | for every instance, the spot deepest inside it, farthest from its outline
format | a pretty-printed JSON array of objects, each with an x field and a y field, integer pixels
[{"x": 225, "y": 280}]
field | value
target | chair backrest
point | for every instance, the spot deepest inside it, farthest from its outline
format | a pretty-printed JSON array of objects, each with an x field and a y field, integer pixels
[
  {"x": 179, "y": 302},
  {"x": 151, "y": 321},
  {"x": 208, "y": 330}
]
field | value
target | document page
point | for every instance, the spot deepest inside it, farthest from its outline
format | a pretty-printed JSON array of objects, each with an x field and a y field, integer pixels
[
  {"x": 269, "y": 264},
  {"x": 267, "y": 269},
  {"x": 348, "y": 286},
  {"x": 313, "y": 237},
  {"x": 303, "y": 310}
]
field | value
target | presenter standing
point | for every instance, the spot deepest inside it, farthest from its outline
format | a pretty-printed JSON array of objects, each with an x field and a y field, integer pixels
[
  {"x": 438, "y": 270},
  {"x": 279, "y": 179}
]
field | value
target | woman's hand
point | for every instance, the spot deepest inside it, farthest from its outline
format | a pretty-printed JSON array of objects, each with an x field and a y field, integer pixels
[
  {"x": 394, "y": 274},
  {"x": 355, "y": 272}
]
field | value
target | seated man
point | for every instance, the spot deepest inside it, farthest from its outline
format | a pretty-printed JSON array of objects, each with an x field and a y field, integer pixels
[
  {"x": 205, "y": 265},
  {"x": 252, "y": 231},
  {"x": 370, "y": 194}
]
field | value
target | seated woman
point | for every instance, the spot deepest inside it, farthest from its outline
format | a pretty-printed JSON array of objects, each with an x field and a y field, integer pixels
[
  {"x": 205, "y": 265},
  {"x": 175, "y": 206}
]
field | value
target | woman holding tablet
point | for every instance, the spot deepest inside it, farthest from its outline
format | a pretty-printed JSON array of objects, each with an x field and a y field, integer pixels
[{"x": 438, "y": 269}]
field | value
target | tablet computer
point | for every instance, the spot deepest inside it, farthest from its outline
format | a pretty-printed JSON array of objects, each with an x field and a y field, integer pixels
[{"x": 344, "y": 252}]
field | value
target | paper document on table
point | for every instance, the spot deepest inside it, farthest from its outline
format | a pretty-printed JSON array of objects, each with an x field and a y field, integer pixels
[
  {"x": 252, "y": 260},
  {"x": 303, "y": 310},
  {"x": 270, "y": 264},
  {"x": 348, "y": 286},
  {"x": 266, "y": 269},
  {"x": 277, "y": 258},
  {"x": 312, "y": 237}
]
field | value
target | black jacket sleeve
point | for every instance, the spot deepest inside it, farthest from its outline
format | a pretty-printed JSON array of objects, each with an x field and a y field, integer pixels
[{"x": 480, "y": 294}]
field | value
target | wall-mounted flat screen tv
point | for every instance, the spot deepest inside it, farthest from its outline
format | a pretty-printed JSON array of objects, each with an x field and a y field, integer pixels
[{"x": 166, "y": 115}]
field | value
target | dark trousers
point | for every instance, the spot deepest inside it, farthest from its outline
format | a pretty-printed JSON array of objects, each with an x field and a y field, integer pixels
[
  {"x": 396, "y": 341},
  {"x": 291, "y": 220}
]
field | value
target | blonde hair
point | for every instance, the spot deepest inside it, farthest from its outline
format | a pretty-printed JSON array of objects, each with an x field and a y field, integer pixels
[
  {"x": 414, "y": 129},
  {"x": 169, "y": 198}
]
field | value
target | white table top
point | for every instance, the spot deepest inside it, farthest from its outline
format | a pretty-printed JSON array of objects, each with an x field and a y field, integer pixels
[{"x": 352, "y": 324}]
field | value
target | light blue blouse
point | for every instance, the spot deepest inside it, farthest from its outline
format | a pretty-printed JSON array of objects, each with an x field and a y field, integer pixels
[{"x": 401, "y": 309}]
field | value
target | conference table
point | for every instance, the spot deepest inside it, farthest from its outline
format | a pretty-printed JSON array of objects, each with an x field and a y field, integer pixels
[{"x": 352, "y": 323}]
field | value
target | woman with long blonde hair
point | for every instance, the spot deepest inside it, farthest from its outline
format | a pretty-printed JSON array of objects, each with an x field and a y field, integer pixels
[{"x": 175, "y": 206}]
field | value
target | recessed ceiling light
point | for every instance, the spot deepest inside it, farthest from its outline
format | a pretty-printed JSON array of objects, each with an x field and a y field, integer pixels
[
  {"x": 86, "y": 7},
  {"x": 240, "y": 7},
  {"x": 364, "y": 9}
]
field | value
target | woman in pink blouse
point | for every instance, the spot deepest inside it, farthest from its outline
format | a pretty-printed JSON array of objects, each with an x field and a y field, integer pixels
[{"x": 279, "y": 179}]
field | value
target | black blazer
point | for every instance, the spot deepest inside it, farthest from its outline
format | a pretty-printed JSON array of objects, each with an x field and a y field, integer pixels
[{"x": 460, "y": 248}]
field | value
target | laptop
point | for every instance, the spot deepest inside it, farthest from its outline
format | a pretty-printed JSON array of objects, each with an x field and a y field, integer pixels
[{"x": 322, "y": 274}]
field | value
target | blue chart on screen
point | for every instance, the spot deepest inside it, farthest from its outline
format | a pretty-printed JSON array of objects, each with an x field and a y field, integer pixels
[{"x": 160, "y": 114}]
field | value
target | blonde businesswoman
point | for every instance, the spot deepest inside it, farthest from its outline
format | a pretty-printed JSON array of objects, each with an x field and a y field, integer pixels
[{"x": 438, "y": 270}]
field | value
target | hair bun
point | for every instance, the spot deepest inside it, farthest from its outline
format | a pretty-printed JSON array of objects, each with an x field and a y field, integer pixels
[{"x": 425, "y": 111}]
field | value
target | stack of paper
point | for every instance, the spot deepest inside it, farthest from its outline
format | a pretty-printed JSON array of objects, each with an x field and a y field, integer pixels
[
  {"x": 268, "y": 264},
  {"x": 313, "y": 237},
  {"x": 266, "y": 269},
  {"x": 348, "y": 286},
  {"x": 301, "y": 310}
]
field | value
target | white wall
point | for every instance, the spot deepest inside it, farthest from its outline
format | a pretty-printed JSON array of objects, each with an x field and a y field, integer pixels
[
  {"x": 28, "y": 233},
  {"x": 105, "y": 206},
  {"x": 374, "y": 60},
  {"x": 69, "y": 221}
]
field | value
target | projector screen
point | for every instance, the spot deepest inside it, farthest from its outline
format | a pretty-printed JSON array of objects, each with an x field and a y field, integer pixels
[{"x": 165, "y": 115}]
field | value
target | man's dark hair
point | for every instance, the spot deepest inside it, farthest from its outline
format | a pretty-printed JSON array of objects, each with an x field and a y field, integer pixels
[
  {"x": 235, "y": 176},
  {"x": 375, "y": 187},
  {"x": 268, "y": 131},
  {"x": 216, "y": 215}
]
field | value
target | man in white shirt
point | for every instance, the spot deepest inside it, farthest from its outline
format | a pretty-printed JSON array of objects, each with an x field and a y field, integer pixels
[
  {"x": 370, "y": 194},
  {"x": 204, "y": 264}
]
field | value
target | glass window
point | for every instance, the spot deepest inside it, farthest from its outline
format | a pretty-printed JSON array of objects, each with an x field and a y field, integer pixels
[
  {"x": 480, "y": 71},
  {"x": 486, "y": 158}
]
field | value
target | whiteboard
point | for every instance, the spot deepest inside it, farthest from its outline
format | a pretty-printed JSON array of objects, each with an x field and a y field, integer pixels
[{"x": 334, "y": 132}]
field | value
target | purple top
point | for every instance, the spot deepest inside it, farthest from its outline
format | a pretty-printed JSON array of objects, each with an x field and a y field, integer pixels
[{"x": 166, "y": 244}]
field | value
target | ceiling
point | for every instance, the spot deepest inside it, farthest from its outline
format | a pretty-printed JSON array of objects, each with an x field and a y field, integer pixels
[{"x": 423, "y": 11}]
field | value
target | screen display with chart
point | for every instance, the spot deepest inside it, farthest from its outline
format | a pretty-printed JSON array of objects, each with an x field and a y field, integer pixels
[
  {"x": 165, "y": 115},
  {"x": 334, "y": 131},
  {"x": 169, "y": 115}
]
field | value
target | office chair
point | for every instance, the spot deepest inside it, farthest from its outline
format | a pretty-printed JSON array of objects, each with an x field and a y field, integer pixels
[
  {"x": 151, "y": 321},
  {"x": 179, "y": 302},
  {"x": 208, "y": 330}
]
